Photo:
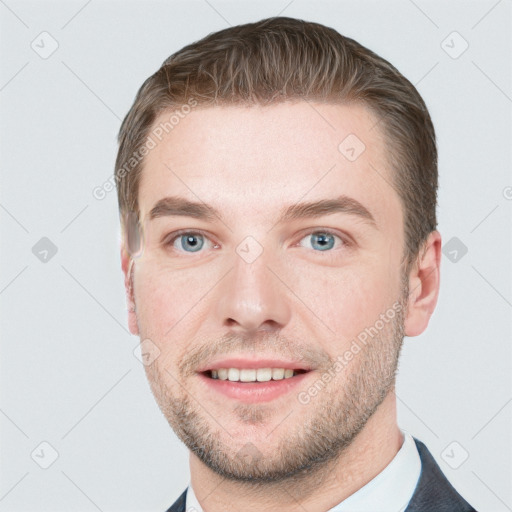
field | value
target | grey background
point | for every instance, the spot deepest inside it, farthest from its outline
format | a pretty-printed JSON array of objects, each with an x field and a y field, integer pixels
[{"x": 68, "y": 374}]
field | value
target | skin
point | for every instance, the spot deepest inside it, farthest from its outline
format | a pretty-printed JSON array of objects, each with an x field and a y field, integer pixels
[{"x": 293, "y": 300}]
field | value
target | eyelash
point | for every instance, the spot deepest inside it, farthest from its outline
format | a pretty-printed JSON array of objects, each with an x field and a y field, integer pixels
[
  {"x": 177, "y": 234},
  {"x": 344, "y": 241}
]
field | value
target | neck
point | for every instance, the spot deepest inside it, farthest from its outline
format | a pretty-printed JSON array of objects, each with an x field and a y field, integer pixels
[{"x": 369, "y": 453}]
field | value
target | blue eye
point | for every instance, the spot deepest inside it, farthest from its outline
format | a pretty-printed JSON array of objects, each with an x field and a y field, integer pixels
[
  {"x": 189, "y": 242},
  {"x": 193, "y": 242},
  {"x": 322, "y": 240}
]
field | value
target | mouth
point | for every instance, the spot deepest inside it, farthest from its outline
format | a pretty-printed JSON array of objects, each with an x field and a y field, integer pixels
[
  {"x": 247, "y": 375},
  {"x": 253, "y": 381}
]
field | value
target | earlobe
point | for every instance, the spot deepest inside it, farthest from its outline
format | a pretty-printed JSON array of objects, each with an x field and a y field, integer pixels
[
  {"x": 127, "y": 264},
  {"x": 424, "y": 281}
]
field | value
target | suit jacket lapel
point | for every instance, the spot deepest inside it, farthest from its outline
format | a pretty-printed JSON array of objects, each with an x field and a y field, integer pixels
[{"x": 434, "y": 491}]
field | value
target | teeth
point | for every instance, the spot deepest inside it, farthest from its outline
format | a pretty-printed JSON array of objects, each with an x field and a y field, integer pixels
[
  {"x": 264, "y": 374},
  {"x": 248, "y": 375},
  {"x": 252, "y": 374},
  {"x": 233, "y": 374},
  {"x": 278, "y": 373}
]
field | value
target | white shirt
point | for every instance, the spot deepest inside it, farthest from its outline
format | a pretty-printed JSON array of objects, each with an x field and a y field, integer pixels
[{"x": 390, "y": 491}]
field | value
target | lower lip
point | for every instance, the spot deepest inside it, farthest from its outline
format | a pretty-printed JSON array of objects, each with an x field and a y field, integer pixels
[{"x": 254, "y": 392}]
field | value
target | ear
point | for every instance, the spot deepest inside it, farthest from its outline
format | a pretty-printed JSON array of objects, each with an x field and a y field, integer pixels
[
  {"x": 424, "y": 280},
  {"x": 127, "y": 265}
]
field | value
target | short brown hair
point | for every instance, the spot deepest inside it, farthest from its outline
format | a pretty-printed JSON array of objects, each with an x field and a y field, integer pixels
[{"x": 279, "y": 59}]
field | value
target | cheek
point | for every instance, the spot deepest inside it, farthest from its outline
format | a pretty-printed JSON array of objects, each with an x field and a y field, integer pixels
[
  {"x": 167, "y": 300},
  {"x": 347, "y": 299}
]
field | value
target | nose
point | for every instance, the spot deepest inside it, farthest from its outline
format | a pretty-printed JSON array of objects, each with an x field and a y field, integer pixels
[{"x": 252, "y": 299}]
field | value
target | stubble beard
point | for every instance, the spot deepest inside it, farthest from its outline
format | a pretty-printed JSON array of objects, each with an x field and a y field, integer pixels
[{"x": 311, "y": 447}]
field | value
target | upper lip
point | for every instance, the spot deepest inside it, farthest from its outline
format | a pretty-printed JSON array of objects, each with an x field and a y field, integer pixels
[{"x": 244, "y": 362}]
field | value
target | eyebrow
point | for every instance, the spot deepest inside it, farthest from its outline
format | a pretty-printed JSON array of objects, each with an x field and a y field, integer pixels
[
  {"x": 179, "y": 206},
  {"x": 342, "y": 204}
]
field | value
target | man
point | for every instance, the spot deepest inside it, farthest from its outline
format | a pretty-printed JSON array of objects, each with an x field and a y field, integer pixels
[{"x": 277, "y": 187}]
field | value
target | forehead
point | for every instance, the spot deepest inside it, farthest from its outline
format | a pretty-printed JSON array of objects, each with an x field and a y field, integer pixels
[{"x": 251, "y": 161}]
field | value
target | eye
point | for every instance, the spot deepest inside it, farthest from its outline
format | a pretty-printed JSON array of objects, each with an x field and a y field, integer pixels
[
  {"x": 322, "y": 240},
  {"x": 188, "y": 241}
]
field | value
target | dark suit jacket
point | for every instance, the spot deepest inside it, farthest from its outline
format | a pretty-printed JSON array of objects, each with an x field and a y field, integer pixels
[{"x": 433, "y": 492}]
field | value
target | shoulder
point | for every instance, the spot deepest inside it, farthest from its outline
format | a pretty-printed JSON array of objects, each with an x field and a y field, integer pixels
[
  {"x": 179, "y": 504},
  {"x": 433, "y": 490}
]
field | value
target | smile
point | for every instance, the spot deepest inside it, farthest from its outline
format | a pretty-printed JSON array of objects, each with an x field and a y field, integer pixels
[
  {"x": 253, "y": 385},
  {"x": 253, "y": 374}
]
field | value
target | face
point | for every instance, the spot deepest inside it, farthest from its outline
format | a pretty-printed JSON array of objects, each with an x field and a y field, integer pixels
[{"x": 269, "y": 290}]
